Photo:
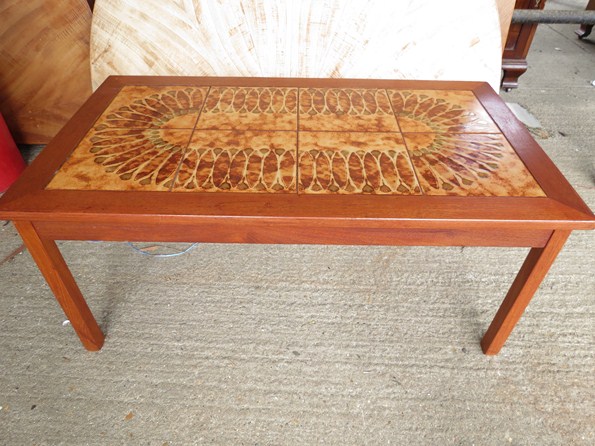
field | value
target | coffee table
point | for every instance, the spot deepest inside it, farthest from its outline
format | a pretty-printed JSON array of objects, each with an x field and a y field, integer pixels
[{"x": 321, "y": 161}]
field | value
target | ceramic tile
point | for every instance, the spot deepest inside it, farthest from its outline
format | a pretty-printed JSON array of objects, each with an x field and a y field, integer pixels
[
  {"x": 250, "y": 108},
  {"x": 440, "y": 111},
  {"x": 154, "y": 107},
  {"x": 239, "y": 161},
  {"x": 354, "y": 163},
  {"x": 346, "y": 109},
  {"x": 123, "y": 159},
  {"x": 468, "y": 165}
]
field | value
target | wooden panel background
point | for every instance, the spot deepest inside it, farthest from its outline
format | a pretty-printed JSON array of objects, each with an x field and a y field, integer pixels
[
  {"x": 45, "y": 72},
  {"x": 505, "y": 11},
  {"x": 44, "y": 46},
  {"x": 455, "y": 40}
]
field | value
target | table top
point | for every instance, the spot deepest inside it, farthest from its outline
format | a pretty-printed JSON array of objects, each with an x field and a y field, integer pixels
[{"x": 328, "y": 148}]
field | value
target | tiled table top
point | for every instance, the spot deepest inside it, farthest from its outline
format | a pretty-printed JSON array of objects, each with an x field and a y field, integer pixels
[{"x": 290, "y": 140}]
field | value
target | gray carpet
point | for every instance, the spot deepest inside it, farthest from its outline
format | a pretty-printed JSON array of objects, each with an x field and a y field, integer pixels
[{"x": 238, "y": 344}]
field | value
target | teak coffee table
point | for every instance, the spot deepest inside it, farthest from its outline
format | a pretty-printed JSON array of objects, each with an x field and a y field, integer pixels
[{"x": 325, "y": 161}]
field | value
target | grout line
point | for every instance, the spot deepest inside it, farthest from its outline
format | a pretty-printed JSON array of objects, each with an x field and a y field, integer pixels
[
  {"x": 421, "y": 189},
  {"x": 173, "y": 181},
  {"x": 256, "y": 130},
  {"x": 90, "y": 129},
  {"x": 297, "y": 145},
  {"x": 505, "y": 138}
]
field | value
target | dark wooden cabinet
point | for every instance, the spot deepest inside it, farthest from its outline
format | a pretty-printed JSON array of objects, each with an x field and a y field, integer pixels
[{"x": 520, "y": 36}]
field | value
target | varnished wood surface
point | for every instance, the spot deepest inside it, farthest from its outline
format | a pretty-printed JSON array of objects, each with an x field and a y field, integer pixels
[
  {"x": 562, "y": 208},
  {"x": 45, "y": 73},
  {"x": 534, "y": 206},
  {"x": 539, "y": 164},
  {"x": 516, "y": 46},
  {"x": 505, "y": 10},
  {"x": 292, "y": 231},
  {"x": 51, "y": 264},
  {"x": 403, "y": 211},
  {"x": 533, "y": 271}
]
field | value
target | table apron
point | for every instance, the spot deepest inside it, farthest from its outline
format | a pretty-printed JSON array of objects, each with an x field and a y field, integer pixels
[{"x": 291, "y": 232}]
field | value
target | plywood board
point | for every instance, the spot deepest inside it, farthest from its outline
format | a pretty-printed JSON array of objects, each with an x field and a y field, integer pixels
[
  {"x": 45, "y": 73},
  {"x": 505, "y": 10},
  {"x": 396, "y": 39}
]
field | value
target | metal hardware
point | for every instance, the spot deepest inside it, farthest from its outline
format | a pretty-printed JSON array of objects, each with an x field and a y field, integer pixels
[{"x": 553, "y": 16}]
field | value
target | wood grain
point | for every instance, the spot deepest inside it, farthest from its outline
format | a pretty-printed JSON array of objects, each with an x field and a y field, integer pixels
[
  {"x": 43, "y": 215},
  {"x": 45, "y": 74},
  {"x": 396, "y": 212},
  {"x": 293, "y": 232},
  {"x": 355, "y": 39},
  {"x": 505, "y": 10},
  {"x": 541, "y": 166},
  {"x": 53, "y": 267},
  {"x": 525, "y": 285},
  {"x": 516, "y": 47},
  {"x": 28, "y": 200}
]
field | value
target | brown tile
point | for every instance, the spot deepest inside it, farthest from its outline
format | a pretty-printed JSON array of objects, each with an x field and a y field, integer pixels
[
  {"x": 238, "y": 161},
  {"x": 346, "y": 109},
  {"x": 154, "y": 107},
  {"x": 354, "y": 163},
  {"x": 123, "y": 159},
  {"x": 250, "y": 108},
  {"x": 469, "y": 164},
  {"x": 440, "y": 111}
]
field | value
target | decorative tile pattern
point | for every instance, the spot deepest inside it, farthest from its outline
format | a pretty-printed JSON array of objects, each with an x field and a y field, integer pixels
[
  {"x": 468, "y": 165},
  {"x": 248, "y": 108},
  {"x": 285, "y": 140},
  {"x": 352, "y": 163},
  {"x": 154, "y": 107},
  {"x": 234, "y": 161},
  {"x": 440, "y": 111},
  {"x": 123, "y": 159},
  {"x": 336, "y": 109}
]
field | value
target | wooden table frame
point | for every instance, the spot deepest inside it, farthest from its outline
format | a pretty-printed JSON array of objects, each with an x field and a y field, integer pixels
[{"x": 42, "y": 216}]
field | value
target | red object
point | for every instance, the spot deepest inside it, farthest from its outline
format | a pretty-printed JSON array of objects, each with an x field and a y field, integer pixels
[{"x": 11, "y": 161}]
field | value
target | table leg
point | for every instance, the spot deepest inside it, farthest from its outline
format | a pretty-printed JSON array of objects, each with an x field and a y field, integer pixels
[
  {"x": 512, "y": 69},
  {"x": 523, "y": 288},
  {"x": 53, "y": 267},
  {"x": 585, "y": 30}
]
